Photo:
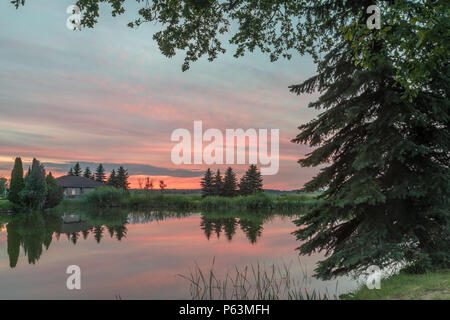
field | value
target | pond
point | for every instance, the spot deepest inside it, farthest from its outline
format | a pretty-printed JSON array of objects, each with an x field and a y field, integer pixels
[{"x": 141, "y": 255}]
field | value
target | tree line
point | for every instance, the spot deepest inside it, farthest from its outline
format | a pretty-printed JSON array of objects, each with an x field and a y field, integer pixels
[
  {"x": 118, "y": 179},
  {"x": 35, "y": 189},
  {"x": 227, "y": 186}
]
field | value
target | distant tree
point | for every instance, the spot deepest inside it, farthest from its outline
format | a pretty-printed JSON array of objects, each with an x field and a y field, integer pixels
[
  {"x": 55, "y": 193},
  {"x": 122, "y": 178},
  {"x": 17, "y": 183},
  {"x": 229, "y": 183},
  {"x": 3, "y": 185},
  {"x": 148, "y": 184},
  {"x": 100, "y": 175},
  {"x": 162, "y": 186},
  {"x": 141, "y": 183},
  {"x": 217, "y": 183},
  {"x": 207, "y": 184},
  {"x": 77, "y": 170},
  {"x": 87, "y": 173},
  {"x": 251, "y": 182},
  {"x": 112, "y": 181},
  {"x": 35, "y": 191},
  {"x": 70, "y": 173}
]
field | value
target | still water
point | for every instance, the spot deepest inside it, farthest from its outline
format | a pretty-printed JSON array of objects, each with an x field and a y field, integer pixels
[{"x": 140, "y": 255}]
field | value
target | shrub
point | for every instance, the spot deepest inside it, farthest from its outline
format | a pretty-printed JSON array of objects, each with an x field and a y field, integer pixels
[
  {"x": 259, "y": 201},
  {"x": 105, "y": 197}
]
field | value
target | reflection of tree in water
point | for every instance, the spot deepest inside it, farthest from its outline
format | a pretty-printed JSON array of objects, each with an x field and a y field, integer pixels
[
  {"x": 85, "y": 233},
  {"x": 33, "y": 232},
  {"x": 75, "y": 236},
  {"x": 252, "y": 228},
  {"x": 207, "y": 226},
  {"x": 228, "y": 225},
  {"x": 137, "y": 217},
  {"x": 110, "y": 230},
  {"x": 121, "y": 231},
  {"x": 98, "y": 233}
]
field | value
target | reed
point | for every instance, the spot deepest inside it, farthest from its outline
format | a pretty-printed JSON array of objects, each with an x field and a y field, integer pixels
[
  {"x": 108, "y": 197},
  {"x": 254, "y": 282},
  {"x": 105, "y": 197}
]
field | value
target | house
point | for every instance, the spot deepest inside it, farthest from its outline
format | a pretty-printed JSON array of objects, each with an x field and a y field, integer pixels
[
  {"x": 72, "y": 224},
  {"x": 75, "y": 186}
]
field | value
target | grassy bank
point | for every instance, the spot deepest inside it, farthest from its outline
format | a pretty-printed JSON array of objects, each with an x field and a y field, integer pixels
[
  {"x": 403, "y": 286},
  {"x": 115, "y": 198}
]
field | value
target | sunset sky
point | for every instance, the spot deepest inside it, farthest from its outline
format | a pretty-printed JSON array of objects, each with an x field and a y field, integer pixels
[{"x": 108, "y": 95}]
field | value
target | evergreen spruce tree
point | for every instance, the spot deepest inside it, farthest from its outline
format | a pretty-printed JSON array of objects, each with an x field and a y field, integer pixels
[
  {"x": 244, "y": 187},
  {"x": 17, "y": 182},
  {"x": 217, "y": 184},
  {"x": 70, "y": 173},
  {"x": 34, "y": 193},
  {"x": 3, "y": 188},
  {"x": 251, "y": 182},
  {"x": 100, "y": 175},
  {"x": 387, "y": 184},
  {"x": 77, "y": 170},
  {"x": 207, "y": 184},
  {"x": 112, "y": 181},
  {"x": 229, "y": 184},
  {"x": 55, "y": 194},
  {"x": 87, "y": 173},
  {"x": 122, "y": 178}
]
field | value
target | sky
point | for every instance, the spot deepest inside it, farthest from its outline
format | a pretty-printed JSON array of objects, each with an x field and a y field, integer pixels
[{"x": 107, "y": 95}]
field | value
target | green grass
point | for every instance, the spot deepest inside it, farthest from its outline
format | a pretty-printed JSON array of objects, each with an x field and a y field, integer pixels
[
  {"x": 5, "y": 205},
  {"x": 163, "y": 201},
  {"x": 109, "y": 197},
  {"x": 403, "y": 286}
]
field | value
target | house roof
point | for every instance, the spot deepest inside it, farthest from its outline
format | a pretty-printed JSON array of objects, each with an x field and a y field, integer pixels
[{"x": 77, "y": 182}]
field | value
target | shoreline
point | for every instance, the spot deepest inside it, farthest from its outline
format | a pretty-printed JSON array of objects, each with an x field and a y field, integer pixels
[{"x": 407, "y": 286}]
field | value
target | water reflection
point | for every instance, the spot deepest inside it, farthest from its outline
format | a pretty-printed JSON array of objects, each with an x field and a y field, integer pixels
[
  {"x": 137, "y": 254},
  {"x": 252, "y": 228},
  {"x": 34, "y": 232}
]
